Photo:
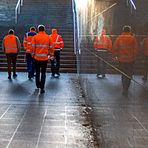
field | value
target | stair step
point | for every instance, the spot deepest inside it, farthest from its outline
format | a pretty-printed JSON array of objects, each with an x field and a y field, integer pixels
[{"x": 43, "y": 12}]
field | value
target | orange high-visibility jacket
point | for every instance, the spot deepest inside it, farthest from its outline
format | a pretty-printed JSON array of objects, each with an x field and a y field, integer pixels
[
  {"x": 11, "y": 44},
  {"x": 41, "y": 46},
  {"x": 125, "y": 47},
  {"x": 57, "y": 40},
  {"x": 27, "y": 40},
  {"x": 145, "y": 46},
  {"x": 103, "y": 42}
]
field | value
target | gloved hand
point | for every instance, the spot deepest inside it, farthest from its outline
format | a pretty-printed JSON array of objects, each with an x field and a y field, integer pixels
[
  {"x": 51, "y": 57},
  {"x": 115, "y": 59}
]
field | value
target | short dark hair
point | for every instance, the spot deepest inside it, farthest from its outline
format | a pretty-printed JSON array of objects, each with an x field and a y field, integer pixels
[
  {"x": 127, "y": 28},
  {"x": 41, "y": 28},
  {"x": 11, "y": 31},
  {"x": 32, "y": 28}
]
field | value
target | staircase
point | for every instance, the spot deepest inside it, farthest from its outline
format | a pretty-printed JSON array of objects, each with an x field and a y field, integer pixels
[
  {"x": 53, "y": 14},
  {"x": 89, "y": 58},
  {"x": 7, "y": 11}
]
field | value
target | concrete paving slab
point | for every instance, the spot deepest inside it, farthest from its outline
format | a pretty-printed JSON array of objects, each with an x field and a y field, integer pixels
[
  {"x": 56, "y": 119},
  {"x": 120, "y": 122}
]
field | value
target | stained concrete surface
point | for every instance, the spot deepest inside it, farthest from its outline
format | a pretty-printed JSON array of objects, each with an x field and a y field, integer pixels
[
  {"x": 120, "y": 122},
  {"x": 63, "y": 118},
  {"x": 57, "y": 119}
]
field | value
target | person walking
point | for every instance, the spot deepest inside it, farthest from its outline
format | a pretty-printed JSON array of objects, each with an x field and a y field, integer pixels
[
  {"x": 58, "y": 45},
  {"x": 102, "y": 45},
  {"x": 41, "y": 47},
  {"x": 29, "y": 60},
  {"x": 11, "y": 46},
  {"x": 125, "y": 51}
]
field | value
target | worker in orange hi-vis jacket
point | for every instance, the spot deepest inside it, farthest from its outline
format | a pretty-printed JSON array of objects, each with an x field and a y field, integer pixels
[
  {"x": 29, "y": 60},
  {"x": 125, "y": 51},
  {"x": 58, "y": 45},
  {"x": 102, "y": 44},
  {"x": 145, "y": 54},
  {"x": 11, "y": 46},
  {"x": 41, "y": 47}
]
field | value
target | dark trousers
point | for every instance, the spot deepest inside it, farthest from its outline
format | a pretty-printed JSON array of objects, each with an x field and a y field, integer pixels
[
  {"x": 145, "y": 67},
  {"x": 101, "y": 66},
  {"x": 40, "y": 67},
  {"x": 11, "y": 59},
  {"x": 127, "y": 68},
  {"x": 55, "y": 64},
  {"x": 30, "y": 65}
]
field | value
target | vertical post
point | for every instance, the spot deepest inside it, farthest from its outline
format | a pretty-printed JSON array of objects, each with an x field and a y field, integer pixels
[
  {"x": 127, "y": 2},
  {"x": 76, "y": 36},
  {"x": 18, "y": 9},
  {"x": 74, "y": 26},
  {"x": 21, "y": 2}
]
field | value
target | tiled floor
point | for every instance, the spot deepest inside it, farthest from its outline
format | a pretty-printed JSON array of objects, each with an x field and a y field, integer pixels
[
  {"x": 56, "y": 119},
  {"x": 60, "y": 118}
]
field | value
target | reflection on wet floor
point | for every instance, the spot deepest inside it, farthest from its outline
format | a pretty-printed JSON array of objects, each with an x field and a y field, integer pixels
[
  {"x": 57, "y": 119},
  {"x": 120, "y": 122},
  {"x": 62, "y": 117}
]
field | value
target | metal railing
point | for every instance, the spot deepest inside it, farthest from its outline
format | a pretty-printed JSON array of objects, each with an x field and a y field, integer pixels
[
  {"x": 18, "y": 9},
  {"x": 74, "y": 24},
  {"x": 76, "y": 34}
]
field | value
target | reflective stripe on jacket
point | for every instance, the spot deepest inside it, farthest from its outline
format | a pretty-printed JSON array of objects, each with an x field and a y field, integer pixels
[
  {"x": 125, "y": 47},
  {"x": 41, "y": 46},
  {"x": 57, "y": 40},
  {"x": 27, "y": 40},
  {"x": 104, "y": 42},
  {"x": 11, "y": 44}
]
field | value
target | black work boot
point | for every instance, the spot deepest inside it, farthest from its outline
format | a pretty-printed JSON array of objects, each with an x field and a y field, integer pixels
[
  {"x": 42, "y": 91},
  {"x": 9, "y": 76},
  {"x": 14, "y": 75}
]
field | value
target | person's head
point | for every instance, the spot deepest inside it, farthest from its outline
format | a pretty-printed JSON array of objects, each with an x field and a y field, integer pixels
[
  {"x": 11, "y": 31},
  {"x": 32, "y": 28},
  {"x": 54, "y": 31},
  {"x": 126, "y": 28},
  {"x": 41, "y": 28}
]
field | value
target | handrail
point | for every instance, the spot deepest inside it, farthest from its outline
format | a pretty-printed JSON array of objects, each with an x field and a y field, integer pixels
[
  {"x": 76, "y": 27},
  {"x": 74, "y": 24},
  {"x": 18, "y": 9},
  {"x": 76, "y": 34}
]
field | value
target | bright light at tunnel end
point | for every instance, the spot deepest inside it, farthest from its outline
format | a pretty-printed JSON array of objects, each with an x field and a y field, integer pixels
[{"x": 82, "y": 3}]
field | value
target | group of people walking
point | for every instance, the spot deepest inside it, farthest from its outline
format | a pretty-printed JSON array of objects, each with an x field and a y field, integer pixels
[
  {"x": 124, "y": 50},
  {"x": 40, "y": 47}
]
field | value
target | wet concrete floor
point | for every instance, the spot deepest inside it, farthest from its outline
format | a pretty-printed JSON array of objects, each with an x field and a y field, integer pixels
[
  {"x": 57, "y": 119},
  {"x": 120, "y": 122}
]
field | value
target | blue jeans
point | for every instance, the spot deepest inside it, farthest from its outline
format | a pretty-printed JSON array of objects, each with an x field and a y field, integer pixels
[{"x": 30, "y": 65}]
